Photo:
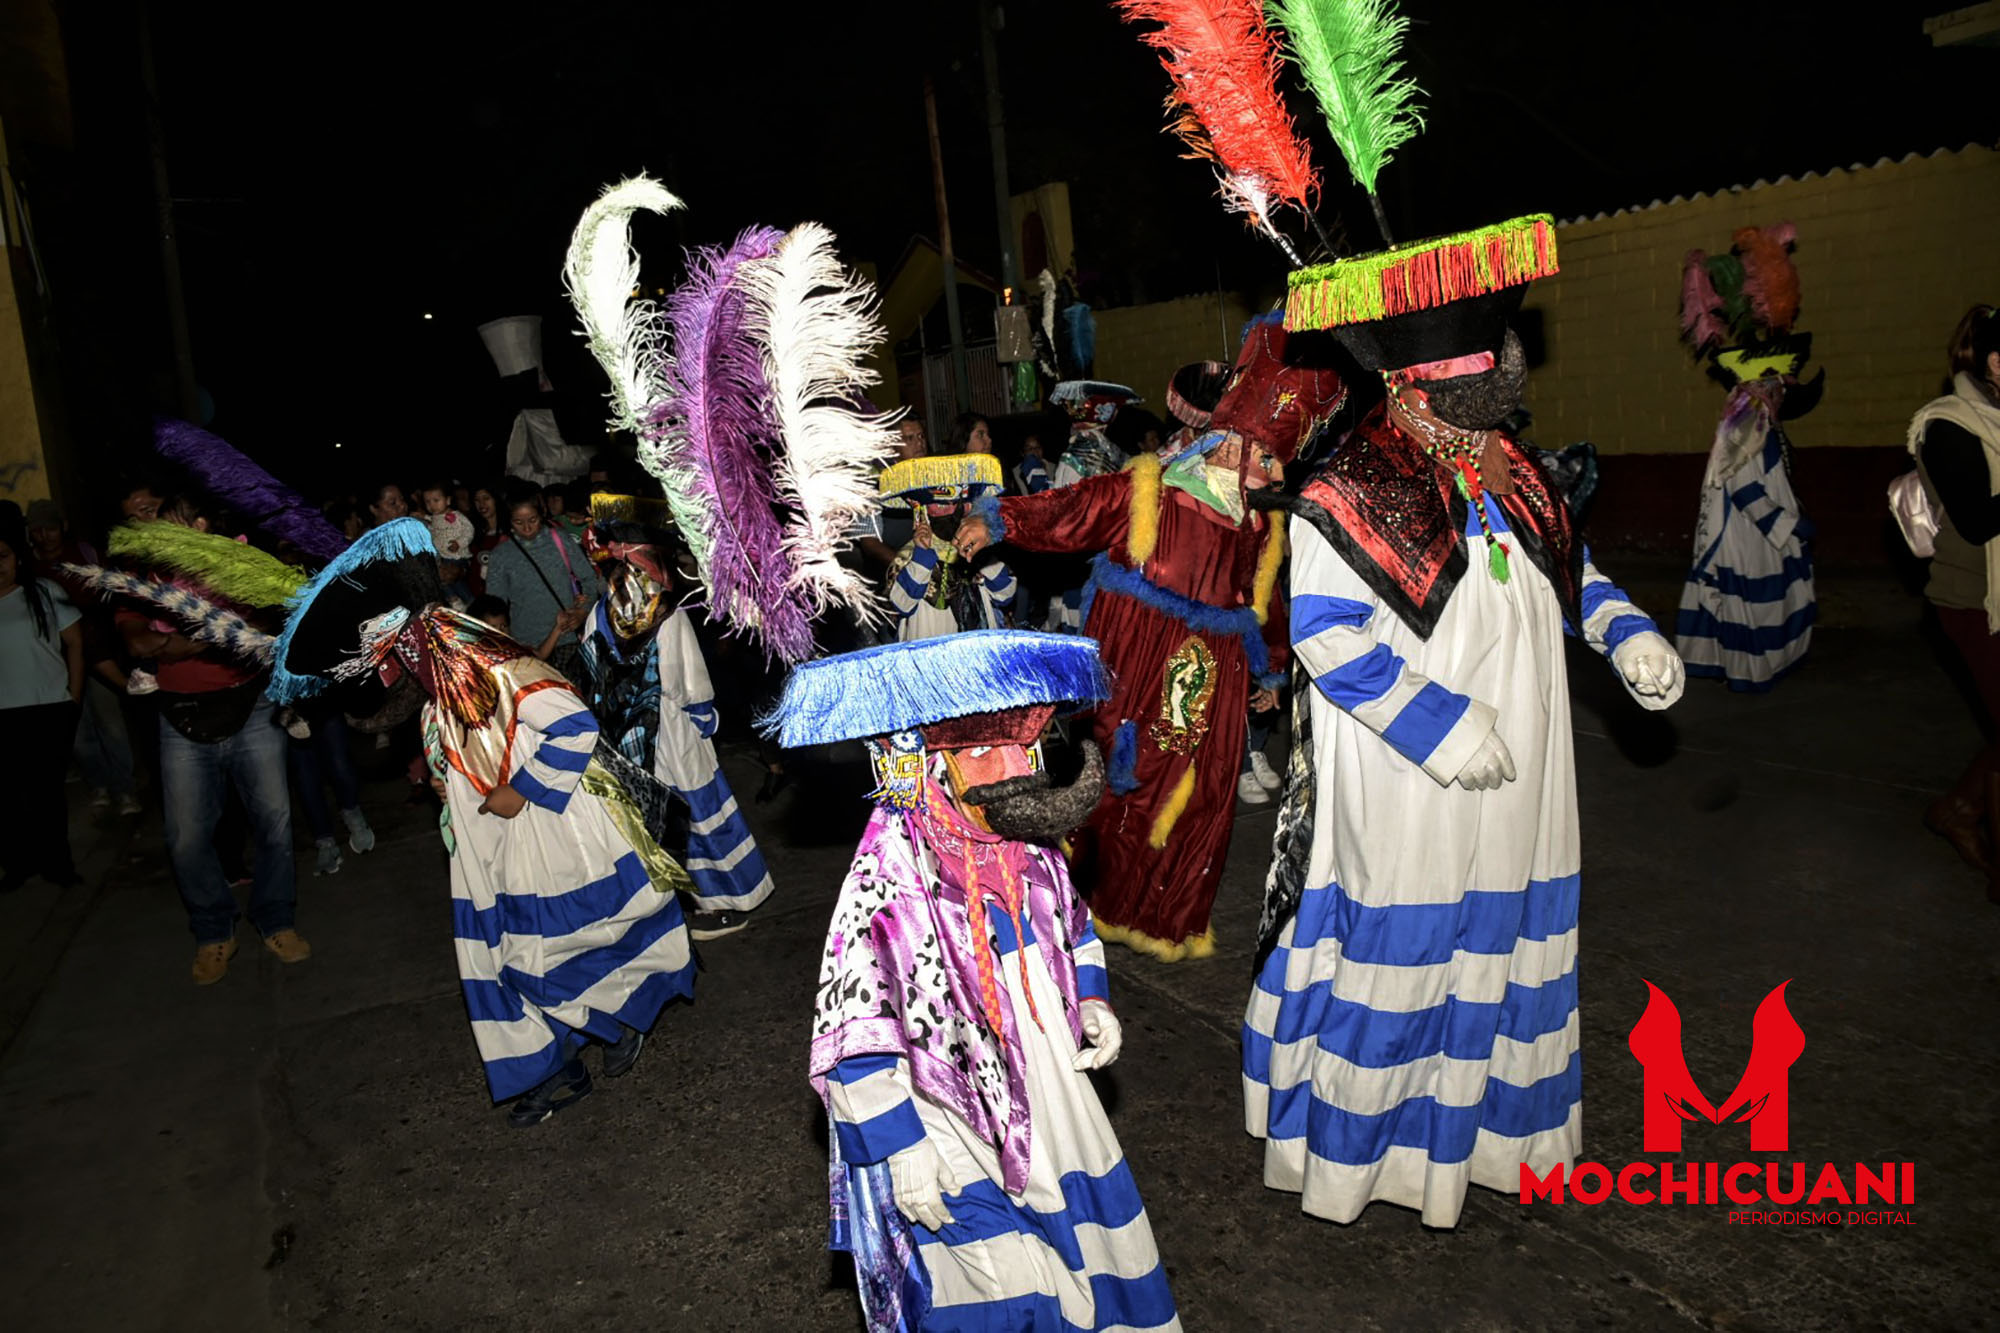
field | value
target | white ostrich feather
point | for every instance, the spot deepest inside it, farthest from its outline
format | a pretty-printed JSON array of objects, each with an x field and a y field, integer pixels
[
  {"x": 816, "y": 323},
  {"x": 625, "y": 331}
]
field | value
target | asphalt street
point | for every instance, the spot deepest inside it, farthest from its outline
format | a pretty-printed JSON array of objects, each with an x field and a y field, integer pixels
[{"x": 312, "y": 1147}]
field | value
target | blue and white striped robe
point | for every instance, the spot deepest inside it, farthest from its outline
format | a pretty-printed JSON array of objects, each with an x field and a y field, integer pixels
[
  {"x": 558, "y": 928},
  {"x": 1748, "y": 607},
  {"x": 1075, "y": 1252},
  {"x": 910, "y": 578},
  {"x": 723, "y": 858},
  {"x": 1415, "y": 1029}
]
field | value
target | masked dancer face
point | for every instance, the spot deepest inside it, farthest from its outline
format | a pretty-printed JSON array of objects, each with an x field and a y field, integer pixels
[
  {"x": 993, "y": 769},
  {"x": 635, "y": 599}
]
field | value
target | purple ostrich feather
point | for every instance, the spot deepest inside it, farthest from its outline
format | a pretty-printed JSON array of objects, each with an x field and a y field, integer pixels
[
  {"x": 720, "y": 450},
  {"x": 270, "y": 505}
]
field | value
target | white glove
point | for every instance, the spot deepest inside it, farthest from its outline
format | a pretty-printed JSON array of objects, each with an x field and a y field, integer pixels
[
  {"x": 917, "y": 1175},
  {"x": 1102, "y": 1030},
  {"x": 1651, "y": 668},
  {"x": 1489, "y": 766}
]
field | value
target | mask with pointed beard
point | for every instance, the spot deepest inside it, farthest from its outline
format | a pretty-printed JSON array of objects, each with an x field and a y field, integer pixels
[
  {"x": 1029, "y": 809},
  {"x": 1484, "y": 400}
]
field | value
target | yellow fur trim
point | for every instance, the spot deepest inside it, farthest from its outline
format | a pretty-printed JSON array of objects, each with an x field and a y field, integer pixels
[
  {"x": 1143, "y": 520},
  {"x": 1177, "y": 804},
  {"x": 935, "y": 471},
  {"x": 1268, "y": 560},
  {"x": 1165, "y": 951}
]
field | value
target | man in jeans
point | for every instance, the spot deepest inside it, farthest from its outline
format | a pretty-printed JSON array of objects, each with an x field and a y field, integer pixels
[{"x": 218, "y": 730}]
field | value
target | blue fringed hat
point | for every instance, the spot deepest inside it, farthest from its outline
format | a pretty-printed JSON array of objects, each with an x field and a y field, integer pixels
[
  {"x": 387, "y": 567},
  {"x": 904, "y": 686}
]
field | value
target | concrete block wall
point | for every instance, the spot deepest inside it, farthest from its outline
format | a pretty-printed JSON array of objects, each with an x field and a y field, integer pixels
[
  {"x": 1142, "y": 346},
  {"x": 1889, "y": 257}
]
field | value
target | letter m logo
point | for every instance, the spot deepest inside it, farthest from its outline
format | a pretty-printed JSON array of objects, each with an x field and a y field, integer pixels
[{"x": 1762, "y": 1096}]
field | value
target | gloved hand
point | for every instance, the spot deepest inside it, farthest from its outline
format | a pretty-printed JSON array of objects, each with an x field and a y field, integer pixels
[
  {"x": 1652, "y": 670},
  {"x": 1489, "y": 766},
  {"x": 1104, "y": 1033},
  {"x": 917, "y": 1175}
]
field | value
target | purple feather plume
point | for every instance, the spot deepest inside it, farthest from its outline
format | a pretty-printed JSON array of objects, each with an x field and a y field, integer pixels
[
  {"x": 271, "y": 506},
  {"x": 717, "y": 451}
]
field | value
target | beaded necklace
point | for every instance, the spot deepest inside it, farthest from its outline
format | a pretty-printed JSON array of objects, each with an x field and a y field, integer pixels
[{"x": 1462, "y": 452}]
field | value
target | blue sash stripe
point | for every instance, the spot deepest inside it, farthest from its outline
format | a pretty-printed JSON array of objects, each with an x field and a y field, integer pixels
[
  {"x": 1383, "y": 1039},
  {"x": 1418, "y": 934},
  {"x": 1313, "y": 613},
  {"x": 857, "y": 1067},
  {"x": 880, "y": 1136},
  {"x": 571, "y": 724},
  {"x": 1425, "y": 721},
  {"x": 555, "y": 915},
  {"x": 532, "y": 788},
  {"x": 1701, "y": 623},
  {"x": 1093, "y": 983},
  {"x": 1622, "y": 628},
  {"x": 983, "y": 1211},
  {"x": 1762, "y": 587},
  {"x": 1446, "y": 1134},
  {"x": 569, "y": 761}
]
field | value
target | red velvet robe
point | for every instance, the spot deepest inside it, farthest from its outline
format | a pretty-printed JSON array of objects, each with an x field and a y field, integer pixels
[{"x": 1197, "y": 583}]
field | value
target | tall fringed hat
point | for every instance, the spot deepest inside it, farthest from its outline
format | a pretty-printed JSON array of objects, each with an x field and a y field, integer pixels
[
  {"x": 1194, "y": 391},
  {"x": 327, "y": 633},
  {"x": 1092, "y": 402},
  {"x": 1272, "y": 401},
  {"x": 1739, "y": 309},
  {"x": 1440, "y": 304},
  {"x": 743, "y": 391},
  {"x": 940, "y": 479},
  {"x": 977, "y": 688}
]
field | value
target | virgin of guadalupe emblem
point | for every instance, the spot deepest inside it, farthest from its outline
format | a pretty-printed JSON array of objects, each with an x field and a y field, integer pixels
[{"x": 1187, "y": 686}]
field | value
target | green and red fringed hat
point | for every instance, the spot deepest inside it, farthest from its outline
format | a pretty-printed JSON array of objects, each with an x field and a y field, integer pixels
[{"x": 1425, "y": 301}]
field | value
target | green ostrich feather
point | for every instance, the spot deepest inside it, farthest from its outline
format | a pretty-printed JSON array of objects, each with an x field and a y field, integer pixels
[
  {"x": 1346, "y": 49},
  {"x": 231, "y": 569}
]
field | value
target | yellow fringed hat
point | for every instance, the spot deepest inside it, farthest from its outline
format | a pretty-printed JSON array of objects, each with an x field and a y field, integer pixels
[{"x": 939, "y": 479}]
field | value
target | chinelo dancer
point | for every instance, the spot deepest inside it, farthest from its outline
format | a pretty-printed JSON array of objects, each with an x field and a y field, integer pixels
[
  {"x": 1413, "y": 1027},
  {"x": 650, "y": 691},
  {"x": 563, "y": 911},
  {"x": 1181, "y": 601},
  {"x": 962, "y": 996}
]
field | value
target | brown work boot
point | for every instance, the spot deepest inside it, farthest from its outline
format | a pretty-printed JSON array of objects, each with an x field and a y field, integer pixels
[
  {"x": 211, "y": 961},
  {"x": 288, "y": 946},
  {"x": 1956, "y": 820}
]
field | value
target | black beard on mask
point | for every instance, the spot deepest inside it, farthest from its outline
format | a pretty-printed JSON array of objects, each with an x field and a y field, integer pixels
[
  {"x": 945, "y": 526},
  {"x": 1482, "y": 401},
  {"x": 1028, "y": 809}
]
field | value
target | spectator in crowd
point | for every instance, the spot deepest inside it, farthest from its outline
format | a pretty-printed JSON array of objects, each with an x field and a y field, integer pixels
[
  {"x": 970, "y": 434},
  {"x": 1956, "y": 440},
  {"x": 41, "y": 681},
  {"x": 103, "y": 749},
  {"x": 387, "y": 505},
  {"x": 489, "y": 529},
  {"x": 545, "y": 579},
  {"x": 217, "y": 731},
  {"x": 320, "y": 758}
]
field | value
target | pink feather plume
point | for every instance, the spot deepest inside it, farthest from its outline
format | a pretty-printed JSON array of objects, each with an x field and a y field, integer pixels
[{"x": 1701, "y": 317}]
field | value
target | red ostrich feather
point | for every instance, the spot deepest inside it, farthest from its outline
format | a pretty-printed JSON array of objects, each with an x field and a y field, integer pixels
[{"x": 1225, "y": 104}]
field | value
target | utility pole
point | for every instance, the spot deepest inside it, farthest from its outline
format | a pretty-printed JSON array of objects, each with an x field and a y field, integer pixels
[
  {"x": 961, "y": 377},
  {"x": 187, "y": 396},
  {"x": 991, "y": 20}
]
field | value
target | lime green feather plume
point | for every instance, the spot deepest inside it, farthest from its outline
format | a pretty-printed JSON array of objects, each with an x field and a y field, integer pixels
[
  {"x": 1347, "y": 49},
  {"x": 231, "y": 569}
]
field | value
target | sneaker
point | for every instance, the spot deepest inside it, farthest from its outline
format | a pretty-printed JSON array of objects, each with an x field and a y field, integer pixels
[
  {"x": 1267, "y": 776},
  {"x": 141, "y": 681},
  {"x": 619, "y": 1058},
  {"x": 1250, "y": 791},
  {"x": 327, "y": 857},
  {"x": 288, "y": 946},
  {"x": 128, "y": 804},
  {"x": 714, "y": 925},
  {"x": 360, "y": 837},
  {"x": 211, "y": 961},
  {"x": 100, "y": 799},
  {"x": 570, "y": 1086}
]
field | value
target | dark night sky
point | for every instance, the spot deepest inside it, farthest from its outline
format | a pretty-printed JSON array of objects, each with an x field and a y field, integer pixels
[{"x": 347, "y": 170}]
